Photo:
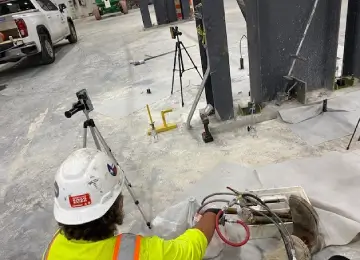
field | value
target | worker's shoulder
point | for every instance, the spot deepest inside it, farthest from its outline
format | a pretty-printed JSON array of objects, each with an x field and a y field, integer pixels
[{"x": 189, "y": 235}]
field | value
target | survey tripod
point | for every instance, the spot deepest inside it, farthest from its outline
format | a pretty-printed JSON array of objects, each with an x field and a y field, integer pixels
[
  {"x": 84, "y": 104},
  {"x": 178, "y": 58}
]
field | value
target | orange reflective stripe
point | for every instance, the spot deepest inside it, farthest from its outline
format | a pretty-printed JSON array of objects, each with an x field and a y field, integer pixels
[
  {"x": 46, "y": 255},
  {"x": 117, "y": 246},
  {"x": 127, "y": 247},
  {"x": 137, "y": 248}
]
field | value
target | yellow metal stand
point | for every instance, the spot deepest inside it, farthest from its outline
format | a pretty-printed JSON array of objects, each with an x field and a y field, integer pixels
[{"x": 165, "y": 127}]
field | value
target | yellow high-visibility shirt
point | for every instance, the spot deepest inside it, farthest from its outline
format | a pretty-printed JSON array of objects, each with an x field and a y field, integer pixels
[{"x": 189, "y": 246}]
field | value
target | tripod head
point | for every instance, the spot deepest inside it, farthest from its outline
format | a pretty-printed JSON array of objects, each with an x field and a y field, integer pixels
[
  {"x": 175, "y": 33},
  {"x": 83, "y": 104}
]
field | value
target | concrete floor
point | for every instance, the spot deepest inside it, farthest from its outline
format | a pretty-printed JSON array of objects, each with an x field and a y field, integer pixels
[{"x": 35, "y": 137}]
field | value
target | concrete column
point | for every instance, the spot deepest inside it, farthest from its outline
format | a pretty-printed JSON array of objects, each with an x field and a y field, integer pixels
[
  {"x": 160, "y": 11},
  {"x": 185, "y": 9},
  {"x": 352, "y": 40},
  {"x": 145, "y": 14},
  {"x": 202, "y": 50},
  {"x": 217, "y": 47}
]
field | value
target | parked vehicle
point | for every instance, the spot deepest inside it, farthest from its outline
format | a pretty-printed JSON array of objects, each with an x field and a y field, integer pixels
[
  {"x": 109, "y": 6},
  {"x": 30, "y": 28}
]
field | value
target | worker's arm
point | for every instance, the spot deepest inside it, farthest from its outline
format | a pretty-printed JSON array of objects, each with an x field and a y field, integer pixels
[
  {"x": 207, "y": 223},
  {"x": 191, "y": 245}
]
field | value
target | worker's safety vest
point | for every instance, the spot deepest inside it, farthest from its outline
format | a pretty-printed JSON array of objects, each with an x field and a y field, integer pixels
[{"x": 127, "y": 246}]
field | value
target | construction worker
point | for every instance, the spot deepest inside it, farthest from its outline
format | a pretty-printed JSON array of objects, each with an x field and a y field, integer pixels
[{"x": 89, "y": 205}]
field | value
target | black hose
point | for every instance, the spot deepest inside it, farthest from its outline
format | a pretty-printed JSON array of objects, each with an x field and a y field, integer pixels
[
  {"x": 282, "y": 229},
  {"x": 283, "y": 236},
  {"x": 280, "y": 225},
  {"x": 216, "y": 194},
  {"x": 244, "y": 195},
  {"x": 265, "y": 206},
  {"x": 211, "y": 201}
]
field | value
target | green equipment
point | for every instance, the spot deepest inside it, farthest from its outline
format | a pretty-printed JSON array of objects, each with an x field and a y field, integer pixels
[{"x": 109, "y": 6}]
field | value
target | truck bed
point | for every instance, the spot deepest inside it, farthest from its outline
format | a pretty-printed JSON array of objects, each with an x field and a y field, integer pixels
[{"x": 7, "y": 23}]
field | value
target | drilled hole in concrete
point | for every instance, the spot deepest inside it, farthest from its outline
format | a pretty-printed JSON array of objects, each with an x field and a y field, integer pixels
[{"x": 2, "y": 86}]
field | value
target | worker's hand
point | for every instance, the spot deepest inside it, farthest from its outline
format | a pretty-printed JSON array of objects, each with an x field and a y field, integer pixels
[
  {"x": 208, "y": 208},
  {"x": 216, "y": 245},
  {"x": 212, "y": 210}
]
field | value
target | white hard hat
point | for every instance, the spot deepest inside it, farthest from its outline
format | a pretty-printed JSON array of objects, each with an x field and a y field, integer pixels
[{"x": 86, "y": 185}]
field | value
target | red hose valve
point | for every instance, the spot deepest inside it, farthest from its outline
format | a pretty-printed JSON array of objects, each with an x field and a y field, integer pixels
[{"x": 223, "y": 238}]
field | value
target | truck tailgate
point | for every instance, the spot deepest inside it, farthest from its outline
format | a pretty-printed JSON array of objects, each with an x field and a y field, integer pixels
[{"x": 8, "y": 27}]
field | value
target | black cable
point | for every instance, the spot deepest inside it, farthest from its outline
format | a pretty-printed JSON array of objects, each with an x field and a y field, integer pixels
[
  {"x": 264, "y": 205},
  {"x": 216, "y": 194},
  {"x": 283, "y": 236},
  {"x": 283, "y": 229},
  {"x": 211, "y": 201}
]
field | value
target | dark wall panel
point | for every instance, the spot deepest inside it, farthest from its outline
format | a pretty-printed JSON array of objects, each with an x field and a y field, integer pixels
[
  {"x": 352, "y": 40},
  {"x": 275, "y": 28},
  {"x": 145, "y": 14},
  {"x": 217, "y": 48},
  {"x": 171, "y": 11},
  {"x": 160, "y": 11},
  {"x": 203, "y": 55}
]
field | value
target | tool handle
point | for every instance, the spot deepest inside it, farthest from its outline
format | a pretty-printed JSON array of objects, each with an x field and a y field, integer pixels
[
  {"x": 150, "y": 117},
  {"x": 163, "y": 115},
  {"x": 77, "y": 107}
]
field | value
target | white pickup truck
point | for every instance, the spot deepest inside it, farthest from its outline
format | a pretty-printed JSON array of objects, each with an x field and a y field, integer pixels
[{"x": 30, "y": 28}]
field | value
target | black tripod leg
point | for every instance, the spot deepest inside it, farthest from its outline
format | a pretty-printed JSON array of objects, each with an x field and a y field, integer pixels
[
  {"x": 188, "y": 54},
  {"x": 181, "y": 57},
  {"x": 348, "y": 147},
  {"x": 181, "y": 69},
  {"x": 174, "y": 68}
]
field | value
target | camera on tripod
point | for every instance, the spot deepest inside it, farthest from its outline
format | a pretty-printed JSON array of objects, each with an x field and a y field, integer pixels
[
  {"x": 83, "y": 104},
  {"x": 174, "y": 31}
]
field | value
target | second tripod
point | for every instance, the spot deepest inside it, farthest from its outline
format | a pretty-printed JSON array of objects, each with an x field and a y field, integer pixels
[{"x": 178, "y": 59}]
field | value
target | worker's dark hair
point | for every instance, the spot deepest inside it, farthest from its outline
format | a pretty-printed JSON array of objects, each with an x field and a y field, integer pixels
[{"x": 98, "y": 229}]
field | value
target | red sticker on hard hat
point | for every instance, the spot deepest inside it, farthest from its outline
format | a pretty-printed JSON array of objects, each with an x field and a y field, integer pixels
[
  {"x": 80, "y": 200},
  {"x": 112, "y": 169}
]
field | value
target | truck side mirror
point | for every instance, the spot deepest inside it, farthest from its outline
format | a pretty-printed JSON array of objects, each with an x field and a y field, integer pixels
[{"x": 62, "y": 7}]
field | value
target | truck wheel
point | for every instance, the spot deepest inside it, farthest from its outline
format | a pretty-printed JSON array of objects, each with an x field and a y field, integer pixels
[
  {"x": 124, "y": 7},
  {"x": 47, "y": 54},
  {"x": 72, "y": 38},
  {"x": 96, "y": 13}
]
